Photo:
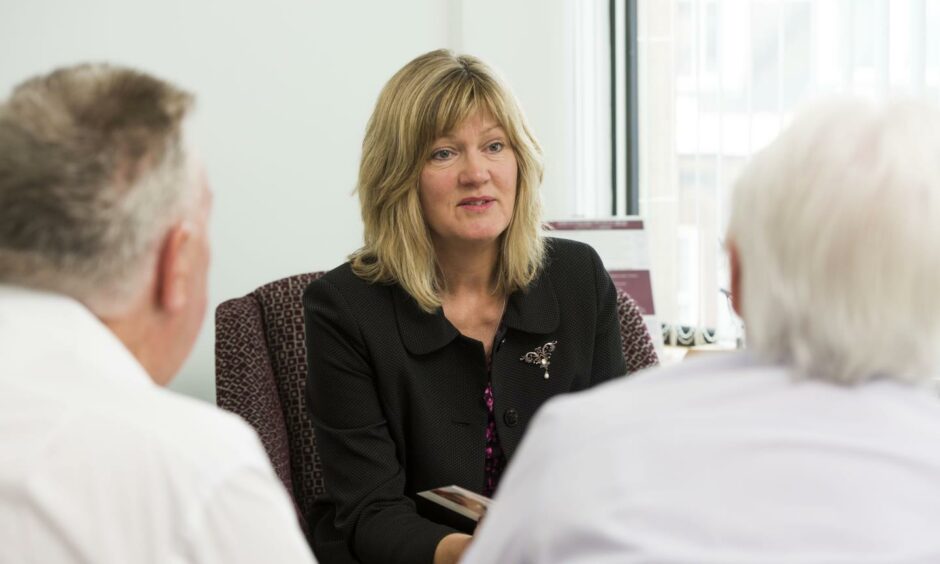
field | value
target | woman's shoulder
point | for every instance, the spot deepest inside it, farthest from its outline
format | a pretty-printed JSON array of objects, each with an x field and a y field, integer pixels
[
  {"x": 341, "y": 275},
  {"x": 572, "y": 267},
  {"x": 566, "y": 253},
  {"x": 344, "y": 281}
]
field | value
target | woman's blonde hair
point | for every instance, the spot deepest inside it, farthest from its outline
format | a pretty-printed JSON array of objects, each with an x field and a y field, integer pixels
[{"x": 425, "y": 100}]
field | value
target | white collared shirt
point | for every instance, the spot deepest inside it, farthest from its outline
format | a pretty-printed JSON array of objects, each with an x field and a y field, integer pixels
[
  {"x": 98, "y": 464},
  {"x": 723, "y": 461}
]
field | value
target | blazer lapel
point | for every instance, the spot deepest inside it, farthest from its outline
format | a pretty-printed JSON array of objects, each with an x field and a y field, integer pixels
[{"x": 421, "y": 332}]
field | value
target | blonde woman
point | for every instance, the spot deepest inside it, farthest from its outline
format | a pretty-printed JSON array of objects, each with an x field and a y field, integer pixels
[{"x": 431, "y": 349}]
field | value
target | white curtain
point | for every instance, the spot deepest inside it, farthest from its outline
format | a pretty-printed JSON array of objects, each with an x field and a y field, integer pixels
[{"x": 589, "y": 78}]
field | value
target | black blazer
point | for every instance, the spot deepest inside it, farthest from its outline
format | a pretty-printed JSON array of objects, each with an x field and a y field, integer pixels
[{"x": 396, "y": 396}]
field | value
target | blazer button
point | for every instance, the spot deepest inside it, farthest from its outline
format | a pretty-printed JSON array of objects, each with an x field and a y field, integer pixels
[{"x": 511, "y": 417}]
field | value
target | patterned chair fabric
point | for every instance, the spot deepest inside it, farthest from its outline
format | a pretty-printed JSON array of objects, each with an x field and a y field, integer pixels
[
  {"x": 638, "y": 349},
  {"x": 261, "y": 370}
]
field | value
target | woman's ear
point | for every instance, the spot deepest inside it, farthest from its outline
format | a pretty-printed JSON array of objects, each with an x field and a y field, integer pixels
[
  {"x": 734, "y": 262},
  {"x": 173, "y": 268}
]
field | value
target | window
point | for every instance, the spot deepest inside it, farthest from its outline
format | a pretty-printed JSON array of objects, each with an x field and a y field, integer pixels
[{"x": 718, "y": 79}]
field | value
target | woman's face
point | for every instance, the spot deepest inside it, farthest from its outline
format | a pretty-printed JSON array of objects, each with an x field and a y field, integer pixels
[{"x": 468, "y": 184}]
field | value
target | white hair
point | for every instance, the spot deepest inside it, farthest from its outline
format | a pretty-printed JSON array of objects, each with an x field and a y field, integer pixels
[
  {"x": 92, "y": 173},
  {"x": 837, "y": 227}
]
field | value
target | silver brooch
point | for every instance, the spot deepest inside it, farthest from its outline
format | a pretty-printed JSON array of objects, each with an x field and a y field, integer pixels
[{"x": 541, "y": 356}]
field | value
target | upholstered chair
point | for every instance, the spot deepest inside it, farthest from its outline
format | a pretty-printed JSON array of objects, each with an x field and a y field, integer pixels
[{"x": 261, "y": 371}]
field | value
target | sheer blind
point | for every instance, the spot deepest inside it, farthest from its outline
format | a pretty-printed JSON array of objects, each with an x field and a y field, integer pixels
[{"x": 718, "y": 79}]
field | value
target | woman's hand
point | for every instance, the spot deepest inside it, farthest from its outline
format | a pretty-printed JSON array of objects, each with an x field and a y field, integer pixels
[{"x": 451, "y": 548}]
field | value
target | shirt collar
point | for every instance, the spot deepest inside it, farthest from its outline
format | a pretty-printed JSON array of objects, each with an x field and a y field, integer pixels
[
  {"x": 38, "y": 323},
  {"x": 532, "y": 310}
]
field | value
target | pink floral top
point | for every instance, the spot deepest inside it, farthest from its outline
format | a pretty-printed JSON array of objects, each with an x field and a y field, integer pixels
[{"x": 494, "y": 459}]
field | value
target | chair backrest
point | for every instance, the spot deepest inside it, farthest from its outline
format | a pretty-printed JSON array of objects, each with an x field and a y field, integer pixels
[
  {"x": 261, "y": 371},
  {"x": 638, "y": 349}
]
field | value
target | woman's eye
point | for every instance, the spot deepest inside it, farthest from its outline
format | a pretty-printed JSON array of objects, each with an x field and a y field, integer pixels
[
  {"x": 496, "y": 146},
  {"x": 442, "y": 154}
]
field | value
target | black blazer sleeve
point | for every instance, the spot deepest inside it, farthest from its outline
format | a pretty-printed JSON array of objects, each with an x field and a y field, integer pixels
[
  {"x": 377, "y": 519},
  {"x": 608, "y": 349}
]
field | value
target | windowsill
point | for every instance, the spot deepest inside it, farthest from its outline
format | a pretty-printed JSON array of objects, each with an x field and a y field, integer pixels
[{"x": 673, "y": 355}]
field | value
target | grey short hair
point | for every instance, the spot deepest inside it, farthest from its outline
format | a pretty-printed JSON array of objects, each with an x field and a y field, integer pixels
[
  {"x": 92, "y": 173},
  {"x": 837, "y": 226}
]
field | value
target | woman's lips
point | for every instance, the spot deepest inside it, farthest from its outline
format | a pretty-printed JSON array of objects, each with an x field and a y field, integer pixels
[{"x": 476, "y": 204}]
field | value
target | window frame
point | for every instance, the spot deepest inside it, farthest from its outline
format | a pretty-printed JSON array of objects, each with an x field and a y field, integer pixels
[{"x": 624, "y": 126}]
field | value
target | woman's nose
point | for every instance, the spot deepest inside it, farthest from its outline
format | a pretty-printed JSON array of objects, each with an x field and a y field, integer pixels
[{"x": 475, "y": 170}]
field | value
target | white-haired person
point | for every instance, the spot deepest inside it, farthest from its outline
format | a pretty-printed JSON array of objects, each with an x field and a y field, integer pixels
[
  {"x": 817, "y": 445},
  {"x": 431, "y": 349},
  {"x": 103, "y": 261}
]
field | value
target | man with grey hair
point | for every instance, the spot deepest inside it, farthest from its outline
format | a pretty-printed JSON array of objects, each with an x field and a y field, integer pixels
[
  {"x": 817, "y": 445},
  {"x": 103, "y": 262}
]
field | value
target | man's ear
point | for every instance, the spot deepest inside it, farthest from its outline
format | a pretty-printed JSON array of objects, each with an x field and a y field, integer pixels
[
  {"x": 173, "y": 268},
  {"x": 734, "y": 262}
]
